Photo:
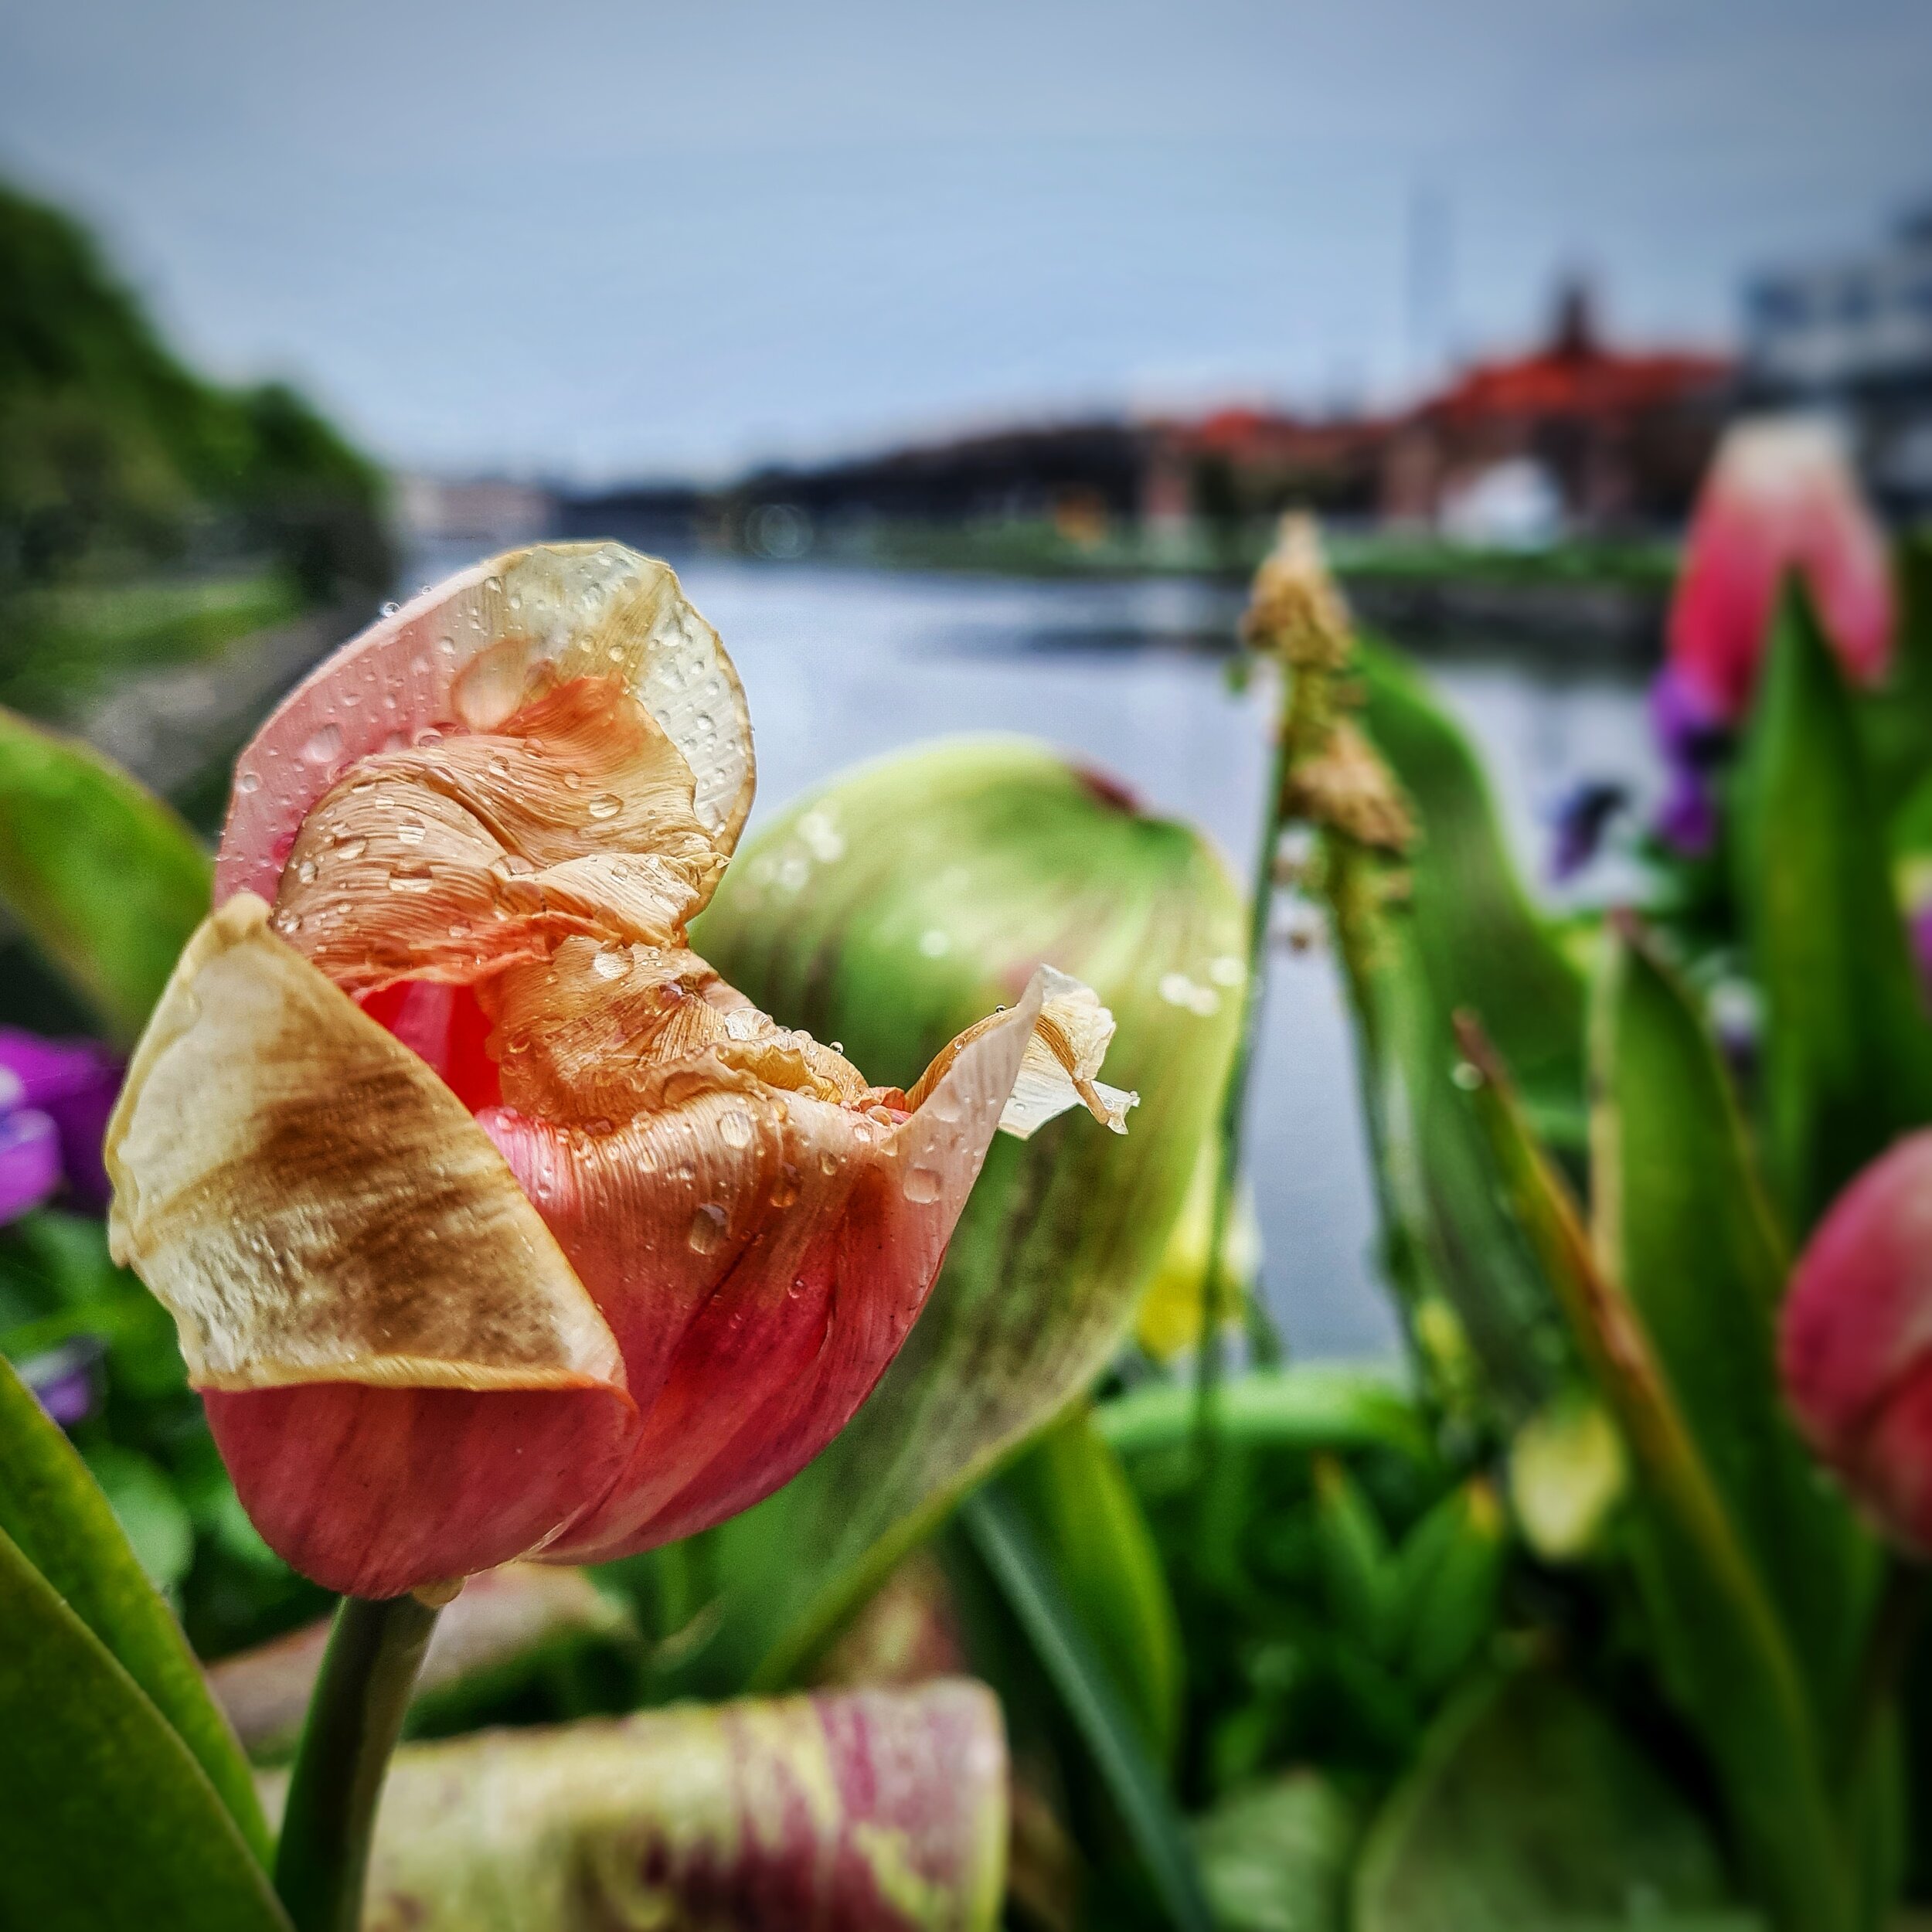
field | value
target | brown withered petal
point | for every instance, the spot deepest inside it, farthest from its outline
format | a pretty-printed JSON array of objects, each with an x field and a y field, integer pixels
[{"x": 293, "y": 1183}]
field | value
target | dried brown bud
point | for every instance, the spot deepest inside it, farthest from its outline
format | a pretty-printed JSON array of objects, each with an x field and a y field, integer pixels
[
  {"x": 1347, "y": 787},
  {"x": 1296, "y": 609}
]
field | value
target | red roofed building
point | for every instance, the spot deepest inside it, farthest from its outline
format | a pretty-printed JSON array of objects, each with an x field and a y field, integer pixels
[{"x": 1622, "y": 437}]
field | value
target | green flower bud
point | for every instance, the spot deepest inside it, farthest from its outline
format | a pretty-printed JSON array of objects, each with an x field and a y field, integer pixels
[{"x": 884, "y": 913}]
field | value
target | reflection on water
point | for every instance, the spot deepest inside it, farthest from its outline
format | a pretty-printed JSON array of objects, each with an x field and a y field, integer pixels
[{"x": 843, "y": 666}]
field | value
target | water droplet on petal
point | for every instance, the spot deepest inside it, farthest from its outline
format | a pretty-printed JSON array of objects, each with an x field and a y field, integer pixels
[
  {"x": 428, "y": 738},
  {"x": 390, "y": 609},
  {"x": 412, "y": 879},
  {"x": 610, "y": 962},
  {"x": 920, "y": 1184},
  {"x": 324, "y": 746},
  {"x": 605, "y": 805},
  {"x": 786, "y": 1188},
  {"x": 305, "y": 871},
  {"x": 351, "y": 847},
  {"x": 735, "y": 1127},
  {"x": 707, "y": 1228},
  {"x": 412, "y": 832},
  {"x": 828, "y": 1162},
  {"x": 247, "y": 781}
]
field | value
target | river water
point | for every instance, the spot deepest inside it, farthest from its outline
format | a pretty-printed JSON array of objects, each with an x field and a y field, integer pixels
[{"x": 842, "y": 665}]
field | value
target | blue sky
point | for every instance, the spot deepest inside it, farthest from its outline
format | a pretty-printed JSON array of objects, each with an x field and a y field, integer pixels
[{"x": 598, "y": 240}]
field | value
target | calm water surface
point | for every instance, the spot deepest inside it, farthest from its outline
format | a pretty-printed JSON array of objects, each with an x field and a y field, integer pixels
[{"x": 845, "y": 665}]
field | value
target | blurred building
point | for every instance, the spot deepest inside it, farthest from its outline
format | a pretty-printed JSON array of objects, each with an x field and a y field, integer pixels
[
  {"x": 1855, "y": 335},
  {"x": 1576, "y": 434}
]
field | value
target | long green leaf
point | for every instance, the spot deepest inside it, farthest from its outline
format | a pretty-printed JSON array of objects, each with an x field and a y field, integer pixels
[
  {"x": 1307, "y": 1405},
  {"x": 890, "y": 910},
  {"x": 56, "y": 1517},
  {"x": 1452, "y": 929},
  {"x": 1000, "y": 1533},
  {"x": 1848, "y": 1052},
  {"x": 1680, "y": 1218},
  {"x": 1449, "y": 1242},
  {"x": 1726, "y": 1652},
  {"x": 105, "y": 1818},
  {"x": 106, "y": 878},
  {"x": 1481, "y": 943},
  {"x": 1077, "y": 1499},
  {"x": 1528, "y": 1809}
]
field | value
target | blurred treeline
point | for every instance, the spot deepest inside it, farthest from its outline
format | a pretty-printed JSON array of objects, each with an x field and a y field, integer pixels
[{"x": 146, "y": 514}]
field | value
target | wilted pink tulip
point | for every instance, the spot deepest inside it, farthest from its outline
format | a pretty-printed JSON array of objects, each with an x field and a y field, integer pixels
[
  {"x": 1780, "y": 497},
  {"x": 493, "y": 1221},
  {"x": 1856, "y": 1344}
]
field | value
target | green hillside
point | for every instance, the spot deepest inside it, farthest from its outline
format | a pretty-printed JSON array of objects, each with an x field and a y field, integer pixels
[{"x": 130, "y": 488}]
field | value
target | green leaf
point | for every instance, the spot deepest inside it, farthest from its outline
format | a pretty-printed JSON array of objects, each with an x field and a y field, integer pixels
[
  {"x": 1727, "y": 1657},
  {"x": 1443, "y": 1590},
  {"x": 878, "y": 1811},
  {"x": 1277, "y": 1857},
  {"x": 151, "y": 1515},
  {"x": 1529, "y": 1810},
  {"x": 1094, "y": 1701},
  {"x": 890, "y": 911},
  {"x": 105, "y": 877},
  {"x": 1307, "y": 1405},
  {"x": 60, "y": 1523},
  {"x": 1352, "y": 1553},
  {"x": 105, "y": 1818},
  {"x": 1847, "y": 1053},
  {"x": 1450, "y": 1246},
  {"x": 1075, "y": 1498},
  {"x": 1482, "y": 944},
  {"x": 1680, "y": 1220}
]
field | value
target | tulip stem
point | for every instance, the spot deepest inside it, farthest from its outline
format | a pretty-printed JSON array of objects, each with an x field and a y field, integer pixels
[
  {"x": 1234, "y": 1095},
  {"x": 355, "y": 1717}
]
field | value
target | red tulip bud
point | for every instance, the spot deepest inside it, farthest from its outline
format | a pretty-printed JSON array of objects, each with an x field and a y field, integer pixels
[
  {"x": 1781, "y": 496},
  {"x": 1856, "y": 1346}
]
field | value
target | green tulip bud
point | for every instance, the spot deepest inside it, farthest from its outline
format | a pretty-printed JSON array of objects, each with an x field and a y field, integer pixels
[{"x": 884, "y": 912}]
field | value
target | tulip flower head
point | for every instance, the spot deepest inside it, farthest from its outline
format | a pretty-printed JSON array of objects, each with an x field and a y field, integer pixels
[
  {"x": 495, "y": 1223},
  {"x": 1781, "y": 497},
  {"x": 1856, "y": 1341}
]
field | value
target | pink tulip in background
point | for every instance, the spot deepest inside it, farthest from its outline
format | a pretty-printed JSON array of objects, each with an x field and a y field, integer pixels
[
  {"x": 1780, "y": 497},
  {"x": 1856, "y": 1346}
]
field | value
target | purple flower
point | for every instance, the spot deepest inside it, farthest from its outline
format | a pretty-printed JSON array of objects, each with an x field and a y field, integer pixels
[
  {"x": 1581, "y": 818},
  {"x": 1695, "y": 741},
  {"x": 55, "y": 1098},
  {"x": 66, "y": 1380}
]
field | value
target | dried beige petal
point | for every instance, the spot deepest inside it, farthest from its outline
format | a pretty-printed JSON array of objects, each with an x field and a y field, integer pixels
[
  {"x": 1070, "y": 1032},
  {"x": 312, "y": 1204}
]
